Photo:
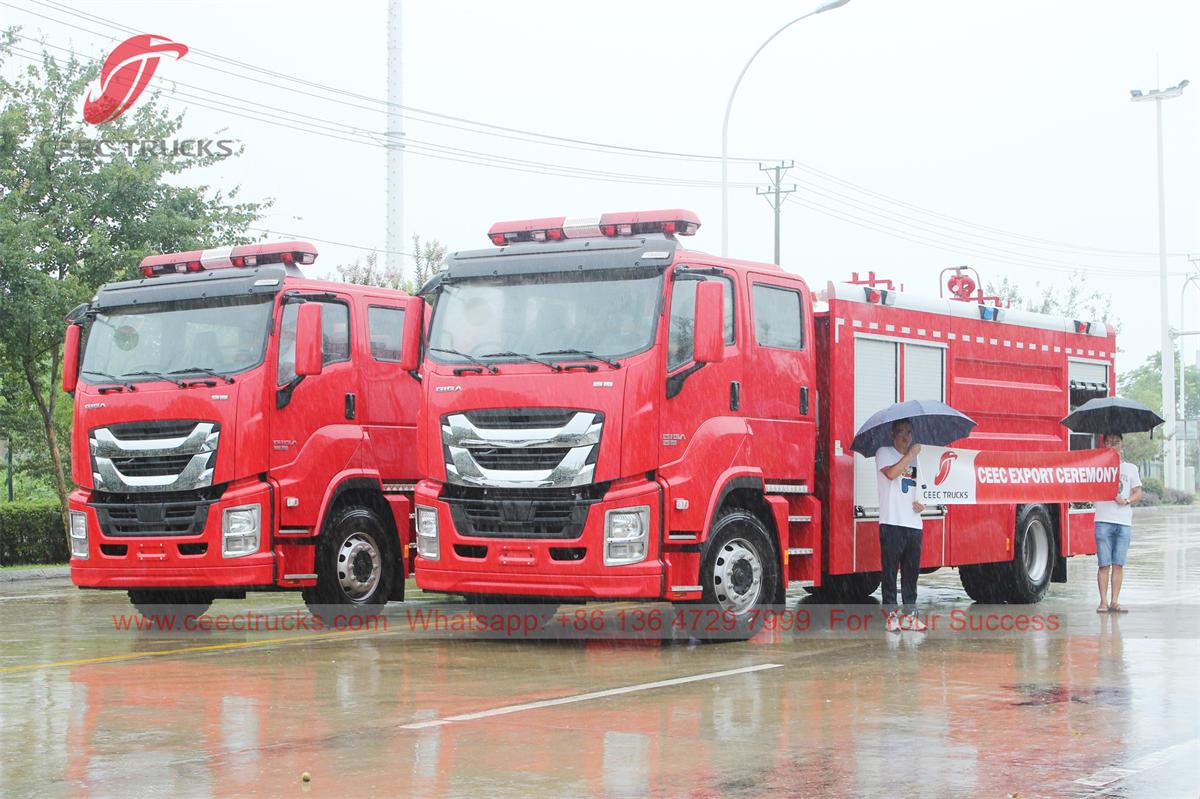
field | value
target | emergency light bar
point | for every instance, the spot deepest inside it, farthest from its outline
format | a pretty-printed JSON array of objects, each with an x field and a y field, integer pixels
[
  {"x": 276, "y": 252},
  {"x": 633, "y": 223}
]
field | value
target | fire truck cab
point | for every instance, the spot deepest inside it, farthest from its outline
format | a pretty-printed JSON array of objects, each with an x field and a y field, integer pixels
[
  {"x": 240, "y": 427},
  {"x": 608, "y": 415}
]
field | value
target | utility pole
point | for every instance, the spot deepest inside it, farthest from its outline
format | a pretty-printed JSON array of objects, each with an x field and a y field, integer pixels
[
  {"x": 775, "y": 192},
  {"x": 395, "y": 140},
  {"x": 1170, "y": 478}
]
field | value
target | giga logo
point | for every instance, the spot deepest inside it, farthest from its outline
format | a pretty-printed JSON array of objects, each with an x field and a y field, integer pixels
[
  {"x": 947, "y": 460},
  {"x": 125, "y": 74}
]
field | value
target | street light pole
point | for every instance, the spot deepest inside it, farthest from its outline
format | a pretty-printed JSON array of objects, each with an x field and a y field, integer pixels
[
  {"x": 1168, "y": 347},
  {"x": 828, "y": 5},
  {"x": 1181, "y": 334}
]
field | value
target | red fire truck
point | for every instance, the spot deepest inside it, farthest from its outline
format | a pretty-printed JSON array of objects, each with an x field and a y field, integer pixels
[
  {"x": 239, "y": 427},
  {"x": 608, "y": 415}
]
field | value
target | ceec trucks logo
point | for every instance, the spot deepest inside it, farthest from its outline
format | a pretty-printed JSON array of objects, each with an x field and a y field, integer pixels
[
  {"x": 125, "y": 75},
  {"x": 944, "y": 464}
]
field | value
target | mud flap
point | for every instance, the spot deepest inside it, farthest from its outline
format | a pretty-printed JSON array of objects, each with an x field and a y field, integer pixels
[{"x": 1059, "y": 575}]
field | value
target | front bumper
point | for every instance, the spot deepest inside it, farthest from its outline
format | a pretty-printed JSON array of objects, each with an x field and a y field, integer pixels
[
  {"x": 176, "y": 561},
  {"x": 528, "y": 567}
]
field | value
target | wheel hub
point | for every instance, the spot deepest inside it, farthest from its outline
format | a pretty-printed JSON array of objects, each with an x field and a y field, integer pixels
[
  {"x": 1036, "y": 551},
  {"x": 359, "y": 566},
  {"x": 737, "y": 576}
]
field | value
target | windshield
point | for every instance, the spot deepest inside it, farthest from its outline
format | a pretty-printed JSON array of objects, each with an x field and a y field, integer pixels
[
  {"x": 225, "y": 335},
  {"x": 606, "y": 314}
]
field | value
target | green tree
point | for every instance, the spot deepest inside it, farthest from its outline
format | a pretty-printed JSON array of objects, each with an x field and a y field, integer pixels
[
  {"x": 80, "y": 205},
  {"x": 427, "y": 258},
  {"x": 1144, "y": 384},
  {"x": 1073, "y": 300}
]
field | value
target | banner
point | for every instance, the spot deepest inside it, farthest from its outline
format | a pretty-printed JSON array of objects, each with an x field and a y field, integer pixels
[{"x": 971, "y": 477}]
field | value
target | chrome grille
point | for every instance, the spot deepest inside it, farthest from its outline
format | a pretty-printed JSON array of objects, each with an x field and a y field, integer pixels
[
  {"x": 154, "y": 456},
  {"x": 522, "y": 447}
]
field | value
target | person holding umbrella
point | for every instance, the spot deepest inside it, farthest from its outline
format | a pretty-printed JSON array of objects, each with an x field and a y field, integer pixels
[
  {"x": 1114, "y": 529},
  {"x": 900, "y": 525},
  {"x": 890, "y": 436},
  {"x": 1110, "y": 417}
]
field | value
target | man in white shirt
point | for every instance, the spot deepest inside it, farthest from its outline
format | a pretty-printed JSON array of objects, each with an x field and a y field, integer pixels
[
  {"x": 900, "y": 526},
  {"x": 1114, "y": 529}
]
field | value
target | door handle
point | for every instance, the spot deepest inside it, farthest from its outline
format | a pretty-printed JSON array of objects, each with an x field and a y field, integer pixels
[
  {"x": 804, "y": 400},
  {"x": 735, "y": 395},
  {"x": 351, "y": 406}
]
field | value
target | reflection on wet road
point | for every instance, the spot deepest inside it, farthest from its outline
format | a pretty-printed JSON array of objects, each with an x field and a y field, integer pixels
[{"x": 1107, "y": 707}]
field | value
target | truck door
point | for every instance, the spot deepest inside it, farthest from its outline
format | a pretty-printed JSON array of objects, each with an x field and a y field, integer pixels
[
  {"x": 314, "y": 430},
  {"x": 707, "y": 393},
  {"x": 781, "y": 390},
  {"x": 389, "y": 408}
]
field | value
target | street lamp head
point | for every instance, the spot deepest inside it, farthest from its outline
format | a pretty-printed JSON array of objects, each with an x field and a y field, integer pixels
[
  {"x": 829, "y": 5},
  {"x": 1135, "y": 93},
  {"x": 1183, "y": 84}
]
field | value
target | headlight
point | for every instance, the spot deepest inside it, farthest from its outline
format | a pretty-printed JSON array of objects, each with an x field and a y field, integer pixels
[
  {"x": 240, "y": 530},
  {"x": 626, "y": 535},
  {"x": 79, "y": 541},
  {"x": 427, "y": 533}
]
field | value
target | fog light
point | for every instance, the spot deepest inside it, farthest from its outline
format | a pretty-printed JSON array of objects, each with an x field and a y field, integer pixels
[
  {"x": 626, "y": 535},
  {"x": 427, "y": 533},
  {"x": 79, "y": 535},
  {"x": 240, "y": 531}
]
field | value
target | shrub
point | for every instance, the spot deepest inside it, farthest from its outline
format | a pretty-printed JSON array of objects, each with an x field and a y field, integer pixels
[
  {"x": 1149, "y": 499},
  {"x": 1153, "y": 484},
  {"x": 32, "y": 532},
  {"x": 1173, "y": 496}
]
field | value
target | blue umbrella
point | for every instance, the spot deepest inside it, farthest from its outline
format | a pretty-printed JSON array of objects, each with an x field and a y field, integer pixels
[{"x": 933, "y": 423}]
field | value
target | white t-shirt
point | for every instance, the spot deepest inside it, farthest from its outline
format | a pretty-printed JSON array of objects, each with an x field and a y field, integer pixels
[
  {"x": 1120, "y": 514},
  {"x": 896, "y": 496}
]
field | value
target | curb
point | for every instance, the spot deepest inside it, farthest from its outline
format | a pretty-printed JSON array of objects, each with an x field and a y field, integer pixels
[{"x": 46, "y": 573}]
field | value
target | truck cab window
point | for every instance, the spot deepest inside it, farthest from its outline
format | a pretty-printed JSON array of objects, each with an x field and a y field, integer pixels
[
  {"x": 683, "y": 320},
  {"x": 778, "y": 321},
  {"x": 386, "y": 327},
  {"x": 335, "y": 337}
]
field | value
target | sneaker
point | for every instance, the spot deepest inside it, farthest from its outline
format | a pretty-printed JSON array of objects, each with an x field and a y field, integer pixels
[
  {"x": 893, "y": 622},
  {"x": 913, "y": 622}
]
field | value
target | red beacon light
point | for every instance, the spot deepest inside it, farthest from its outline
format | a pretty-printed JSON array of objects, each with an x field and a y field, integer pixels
[
  {"x": 637, "y": 223},
  {"x": 289, "y": 253}
]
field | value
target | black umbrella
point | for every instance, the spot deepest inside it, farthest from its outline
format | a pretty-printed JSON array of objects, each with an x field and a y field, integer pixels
[
  {"x": 933, "y": 423},
  {"x": 1112, "y": 415}
]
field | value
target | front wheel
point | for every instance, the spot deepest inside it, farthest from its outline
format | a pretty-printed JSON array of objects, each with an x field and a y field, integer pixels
[
  {"x": 740, "y": 572},
  {"x": 355, "y": 561}
]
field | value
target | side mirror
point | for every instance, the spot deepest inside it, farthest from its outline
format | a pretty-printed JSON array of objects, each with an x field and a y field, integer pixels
[
  {"x": 70, "y": 364},
  {"x": 308, "y": 339},
  {"x": 410, "y": 346},
  {"x": 708, "y": 345}
]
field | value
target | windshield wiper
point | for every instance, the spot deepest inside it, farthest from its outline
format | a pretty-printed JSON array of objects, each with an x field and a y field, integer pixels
[
  {"x": 531, "y": 358},
  {"x": 117, "y": 383},
  {"x": 470, "y": 358},
  {"x": 586, "y": 354},
  {"x": 202, "y": 370},
  {"x": 159, "y": 375}
]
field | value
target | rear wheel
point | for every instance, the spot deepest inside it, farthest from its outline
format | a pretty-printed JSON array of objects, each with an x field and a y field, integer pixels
[
  {"x": 164, "y": 603},
  {"x": 1033, "y": 556},
  {"x": 846, "y": 587},
  {"x": 355, "y": 561}
]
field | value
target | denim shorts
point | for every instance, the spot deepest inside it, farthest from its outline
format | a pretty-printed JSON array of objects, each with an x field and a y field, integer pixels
[{"x": 1112, "y": 543}]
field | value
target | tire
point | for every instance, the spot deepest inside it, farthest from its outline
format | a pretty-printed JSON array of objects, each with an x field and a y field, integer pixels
[
  {"x": 739, "y": 573},
  {"x": 983, "y": 582},
  {"x": 846, "y": 588},
  {"x": 355, "y": 561},
  {"x": 1033, "y": 556},
  {"x": 163, "y": 603}
]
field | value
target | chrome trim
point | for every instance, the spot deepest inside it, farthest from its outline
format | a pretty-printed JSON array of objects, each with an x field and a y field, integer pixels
[
  {"x": 201, "y": 443},
  {"x": 582, "y": 430},
  {"x": 580, "y": 435}
]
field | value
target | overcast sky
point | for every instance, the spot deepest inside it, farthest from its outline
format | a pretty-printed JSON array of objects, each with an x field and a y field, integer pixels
[{"x": 941, "y": 133}]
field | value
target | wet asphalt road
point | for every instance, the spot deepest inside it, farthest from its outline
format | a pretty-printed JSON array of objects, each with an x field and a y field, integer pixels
[{"x": 1101, "y": 706}]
